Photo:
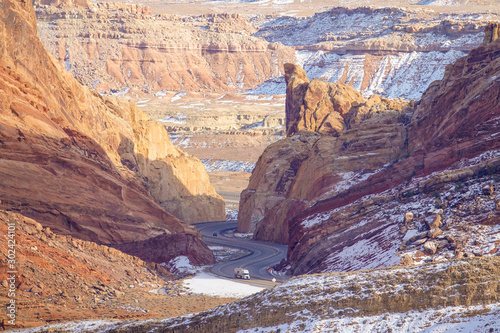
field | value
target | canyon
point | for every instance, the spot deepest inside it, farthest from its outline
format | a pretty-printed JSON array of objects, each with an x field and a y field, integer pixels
[
  {"x": 189, "y": 66},
  {"x": 364, "y": 138}
]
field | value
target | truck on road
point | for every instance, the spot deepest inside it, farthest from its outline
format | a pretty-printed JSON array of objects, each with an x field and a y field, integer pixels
[{"x": 240, "y": 273}]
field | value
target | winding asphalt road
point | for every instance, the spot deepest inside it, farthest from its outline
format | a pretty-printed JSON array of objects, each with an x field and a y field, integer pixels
[{"x": 262, "y": 254}]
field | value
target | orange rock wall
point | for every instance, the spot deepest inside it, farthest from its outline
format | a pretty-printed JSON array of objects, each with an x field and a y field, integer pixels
[{"x": 84, "y": 165}]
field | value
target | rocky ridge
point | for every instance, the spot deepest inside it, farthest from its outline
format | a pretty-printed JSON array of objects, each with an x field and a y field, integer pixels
[
  {"x": 351, "y": 220},
  {"x": 62, "y": 278},
  {"x": 85, "y": 165},
  {"x": 330, "y": 297}
]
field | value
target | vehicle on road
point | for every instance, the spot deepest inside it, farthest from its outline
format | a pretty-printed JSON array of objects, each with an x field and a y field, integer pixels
[
  {"x": 214, "y": 234},
  {"x": 240, "y": 273}
]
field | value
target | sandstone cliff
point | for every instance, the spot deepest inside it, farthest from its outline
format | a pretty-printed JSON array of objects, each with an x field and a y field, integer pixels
[
  {"x": 85, "y": 165},
  {"x": 345, "y": 207},
  {"x": 121, "y": 46},
  {"x": 336, "y": 139}
]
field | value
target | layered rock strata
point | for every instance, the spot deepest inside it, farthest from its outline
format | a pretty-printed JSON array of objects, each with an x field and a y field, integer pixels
[
  {"x": 85, "y": 165},
  {"x": 336, "y": 138},
  {"x": 389, "y": 51},
  {"x": 119, "y": 46},
  {"x": 333, "y": 208}
]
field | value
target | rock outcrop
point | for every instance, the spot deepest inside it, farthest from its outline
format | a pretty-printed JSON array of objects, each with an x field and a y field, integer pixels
[
  {"x": 327, "y": 108},
  {"x": 326, "y": 298},
  {"x": 337, "y": 200},
  {"x": 270, "y": 183},
  {"x": 336, "y": 138},
  {"x": 73, "y": 280},
  {"x": 85, "y": 165}
]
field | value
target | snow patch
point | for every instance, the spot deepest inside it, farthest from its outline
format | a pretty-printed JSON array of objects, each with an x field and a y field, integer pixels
[
  {"x": 208, "y": 284},
  {"x": 181, "y": 265},
  {"x": 179, "y": 119},
  {"x": 178, "y": 96}
]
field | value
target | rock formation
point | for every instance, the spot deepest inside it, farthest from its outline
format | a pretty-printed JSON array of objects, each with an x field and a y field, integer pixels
[
  {"x": 349, "y": 189},
  {"x": 371, "y": 296},
  {"x": 336, "y": 138},
  {"x": 73, "y": 280},
  {"x": 390, "y": 51},
  {"x": 122, "y": 46},
  {"x": 491, "y": 33},
  {"x": 85, "y": 165},
  {"x": 270, "y": 183}
]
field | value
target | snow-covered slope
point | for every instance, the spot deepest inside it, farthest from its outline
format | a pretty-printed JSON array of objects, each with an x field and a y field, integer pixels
[
  {"x": 392, "y": 52},
  {"x": 394, "y": 29},
  {"x": 399, "y": 75},
  {"x": 226, "y": 165},
  {"x": 439, "y": 297}
]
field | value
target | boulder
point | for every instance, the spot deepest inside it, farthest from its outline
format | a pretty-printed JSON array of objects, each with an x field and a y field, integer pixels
[
  {"x": 407, "y": 260},
  {"x": 408, "y": 217},
  {"x": 436, "y": 222},
  {"x": 430, "y": 247},
  {"x": 488, "y": 189},
  {"x": 433, "y": 233}
]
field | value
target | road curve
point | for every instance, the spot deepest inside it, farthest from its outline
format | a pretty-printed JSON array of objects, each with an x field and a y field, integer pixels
[{"x": 262, "y": 254}]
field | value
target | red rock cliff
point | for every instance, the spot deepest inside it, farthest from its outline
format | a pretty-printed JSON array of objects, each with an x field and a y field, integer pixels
[
  {"x": 456, "y": 120},
  {"x": 85, "y": 165},
  {"x": 336, "y": 137},
  {"x": 334, "y": 201}
]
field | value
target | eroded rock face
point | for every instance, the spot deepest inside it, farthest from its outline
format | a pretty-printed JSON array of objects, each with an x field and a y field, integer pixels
[
  {"x": 333, "y": 204},
  {"x": 456, "y": 120},
  {"x": 343, "y": 138},
  {"x": 317, "y": 106},
  {"x": 491, "y": 33},
  {"x": 122, "y": 46},
  {"x": 458, "y": 116},
  {"x": 82, "y": 164},
  {"x": 328, "y": 108},
  {"x": 271, "y": 181}
]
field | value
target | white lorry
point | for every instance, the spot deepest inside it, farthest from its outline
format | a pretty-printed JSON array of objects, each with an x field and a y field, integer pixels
[{"x": 240, "y": 273}]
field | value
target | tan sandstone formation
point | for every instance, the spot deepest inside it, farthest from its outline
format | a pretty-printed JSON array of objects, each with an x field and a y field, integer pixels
[
  {"x": 491, "y": 33},
  {"x": 334, "y": 132},
  {"x": 89, "y": 166},
  {"x": 123, "y": 46}
]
